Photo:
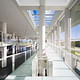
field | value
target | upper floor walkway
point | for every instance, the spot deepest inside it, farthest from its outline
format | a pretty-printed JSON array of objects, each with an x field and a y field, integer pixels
[{"x": 60, "y": 71}]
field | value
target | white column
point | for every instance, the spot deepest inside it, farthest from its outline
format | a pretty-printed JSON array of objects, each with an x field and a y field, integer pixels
[
  {"x": 4, "y": 30},
  {"x": 42, "y": 27},
  {"x": 25, "y": 55},
  {"x": 4, "y": 54},
  {"x": 30, "y": 51},
  {"x": 13, "y": 58},
  {"x": 13, "y": 36},
  {"x": 42, "y": 36},
  {"x": 50, "y": 38},
  {"x": 54, "y": 37},
  {"x": 50, "y": 68},
  {"x": 59, "y": 34},
  {"x": 59, "y": 37},
  {"x": 68, "y": 59},
  {"x": 4, "y": 48}
]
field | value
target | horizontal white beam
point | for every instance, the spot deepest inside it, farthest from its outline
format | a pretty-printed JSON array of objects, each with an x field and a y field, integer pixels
[
  {"x": 30, "y": 7},
  {"x": 55, "y": 7},
  {"x": 47, "y": 7},
  {"x": 47, "y": 2}
]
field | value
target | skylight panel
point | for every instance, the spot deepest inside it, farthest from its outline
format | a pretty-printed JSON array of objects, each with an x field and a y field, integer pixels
[
  {"x": 37, "y": 23},
  {"x": 36, "y": 18},
  {"x": 47, "y": 23},
  {"x": 48, "y": 18},
  {"x": 50, "y": 12},
  {"x": 35, "y": 12},
  {"x": 47, "y": 11}
]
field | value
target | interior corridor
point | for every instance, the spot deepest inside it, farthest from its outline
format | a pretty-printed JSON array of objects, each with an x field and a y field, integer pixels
[
  {"x": 59, "y": 70},
  {"x": 40, "y": 39}
]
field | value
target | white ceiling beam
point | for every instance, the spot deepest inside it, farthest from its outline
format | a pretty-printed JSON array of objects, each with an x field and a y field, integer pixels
[
  {"x": 72, "y": 3},
  {"x": 46, "y": 8},
  {"x": 26, "y": 16},
  {"x": 53, "y": 25},
  {"x": 47, "y": 2},
  {"x": 60, "y": 17},
  {"x": 55, "y": 7},
  {"x": 30, "y": 7}
]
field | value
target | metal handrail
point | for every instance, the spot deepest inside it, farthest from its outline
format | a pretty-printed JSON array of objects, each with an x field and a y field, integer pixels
[{"x": 15, "y": 54}]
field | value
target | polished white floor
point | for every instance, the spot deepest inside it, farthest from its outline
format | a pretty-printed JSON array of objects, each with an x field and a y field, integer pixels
[{"x": 60, "y": 69}]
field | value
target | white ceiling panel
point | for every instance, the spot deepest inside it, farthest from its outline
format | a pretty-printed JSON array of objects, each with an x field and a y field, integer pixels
[
  {"x": 28, "y": 2},
  {"x": 47, "y": 2},
  {"x": 57, "y": 2},
  {"x": 10, "y": 13}
]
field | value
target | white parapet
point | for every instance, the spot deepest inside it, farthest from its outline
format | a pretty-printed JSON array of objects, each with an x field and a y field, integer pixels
[
  {"x": 35, "y": 66},
  {"x": 42, "y": 66},
  {"x": 50, "y": 68}
]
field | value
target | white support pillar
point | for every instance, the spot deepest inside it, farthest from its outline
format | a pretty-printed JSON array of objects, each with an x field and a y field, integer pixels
[
  {"x": 54, "y": 37},
  {"x": 13, "y": 58},
  {"x": 59, "y": 34},
  {"x": 14, "y": 36},
  {"x": 50, "y": 37},
  {"x": 3, "y": 26},
  {"x": 59, "y": 37},
  {"x": 42, "y": 37},
  {"x": 4, "y": 58},
  {"x": 42, "y": 27},
  {"x": 68, "y": 56},
  {"x": 4, "y": 30},
  {"x": 30, "y": 51},
  {"x": 50, "y": 68},
  {"x": 25, "y": 55},
  {"x": 13, "y": 62}
]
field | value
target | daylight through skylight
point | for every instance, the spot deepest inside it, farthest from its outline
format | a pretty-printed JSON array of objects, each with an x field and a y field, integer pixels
[{"x": 35, "y": 16}]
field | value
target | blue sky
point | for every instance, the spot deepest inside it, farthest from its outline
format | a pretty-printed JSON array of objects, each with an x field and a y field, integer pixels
[{"x": 75, "y": 33}]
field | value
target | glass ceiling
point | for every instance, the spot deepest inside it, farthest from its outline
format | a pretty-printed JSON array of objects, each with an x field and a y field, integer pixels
[{"x": 35, "y": 17}]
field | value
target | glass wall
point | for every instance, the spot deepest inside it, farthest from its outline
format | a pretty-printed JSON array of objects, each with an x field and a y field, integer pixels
[
  {"x": 75, "y": 30},
  {"x": 62, "y": 32}
]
